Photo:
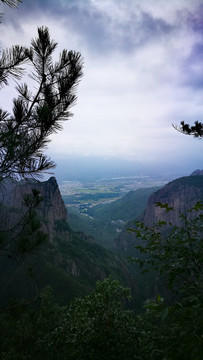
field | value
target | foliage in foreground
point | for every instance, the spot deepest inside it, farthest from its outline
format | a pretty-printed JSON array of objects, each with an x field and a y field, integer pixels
[
  {"x": 175, "y": 330},
  {"x": 94, "y": 327},
  {"x": 99, "y": 327},
  {"x": 39, "y": 113}
]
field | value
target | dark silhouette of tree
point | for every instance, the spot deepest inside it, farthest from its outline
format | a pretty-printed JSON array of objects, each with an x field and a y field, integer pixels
[
  {"x": 11, "y": 3},
  {"x": 196, "y": 130},
  {"x": 10, "y": 63},
  {"x": 36, "y": 115}
]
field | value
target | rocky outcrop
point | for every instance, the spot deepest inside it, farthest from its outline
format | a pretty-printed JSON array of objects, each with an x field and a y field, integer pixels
[
  {"x": 197, "y": 172},
  {"x": 180, "y": 194},
  {"x": 51, "y": 208}
]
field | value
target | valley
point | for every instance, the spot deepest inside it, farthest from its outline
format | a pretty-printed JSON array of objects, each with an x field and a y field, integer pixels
[
  {"x": 84, "y": 194},
  {"x": 102, "y": 207}
]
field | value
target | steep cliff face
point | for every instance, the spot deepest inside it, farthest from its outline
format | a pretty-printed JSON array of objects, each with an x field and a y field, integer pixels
[
  {"x": 181, "y": 194},
  {"x": 51, "y": 209}
]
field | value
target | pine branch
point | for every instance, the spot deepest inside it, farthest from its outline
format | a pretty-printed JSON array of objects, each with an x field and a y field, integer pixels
[
  {"x": 196, "y": 130},
  {"x": 11, "y": 3},
  {"x": 25, "y": 134},
  {"x": 11, "y": 61}
]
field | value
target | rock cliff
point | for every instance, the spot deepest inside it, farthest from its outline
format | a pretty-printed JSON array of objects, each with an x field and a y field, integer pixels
[
  {"x": 51, "y": 208},
  {"x": 197, "y": 172},
  {"x": 180, "y": 194}
]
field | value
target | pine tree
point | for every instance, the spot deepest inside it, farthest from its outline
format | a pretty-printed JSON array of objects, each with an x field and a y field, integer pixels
[{"x": 25, "y": 133}]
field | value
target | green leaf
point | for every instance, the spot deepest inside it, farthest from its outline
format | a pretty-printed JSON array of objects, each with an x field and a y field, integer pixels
[
  {"x": 164, "y": 206},
  {"x": 165, "y": 313}
]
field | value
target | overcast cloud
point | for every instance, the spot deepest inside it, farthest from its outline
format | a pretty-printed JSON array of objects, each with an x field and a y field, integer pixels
[{"x": 143, "y": 71}]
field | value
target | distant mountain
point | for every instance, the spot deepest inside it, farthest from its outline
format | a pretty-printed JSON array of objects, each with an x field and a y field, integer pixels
[
  {"x": 90, "y": 168},
  {"x": 181, "y": 194},
  {"x": 70, "y": 262},
  {"x": 128, "y": 207},
  {"x": 104, "y": 221},
  {"x": 197, "y": 172}
]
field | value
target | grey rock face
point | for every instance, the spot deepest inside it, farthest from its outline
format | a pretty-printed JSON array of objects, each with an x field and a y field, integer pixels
[{"x": 51, "y": 208}]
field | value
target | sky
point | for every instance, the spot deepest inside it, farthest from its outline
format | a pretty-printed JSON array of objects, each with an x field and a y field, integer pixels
[{"x": 143, "y": 72}]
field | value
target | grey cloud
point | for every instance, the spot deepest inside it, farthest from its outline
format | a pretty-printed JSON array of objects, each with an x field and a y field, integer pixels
[
  {"x": 192, "y": 67},
  {"x": 91, "y": 25},
  {"x": 192, "y": 79},
  {"x": 195, "y": 19},
  {"x": 99, "y": 31},
  {"x": 154, "y": 27},
  {"x": 142, "y": 30},
  {"x": 197, "y": 52}
]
